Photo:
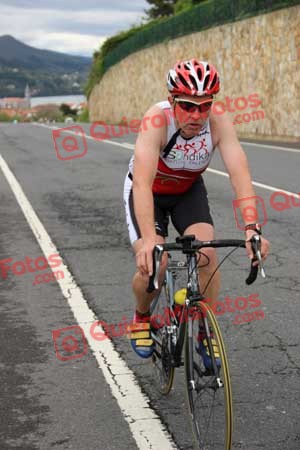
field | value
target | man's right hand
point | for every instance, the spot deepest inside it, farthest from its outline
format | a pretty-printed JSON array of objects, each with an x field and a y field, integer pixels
[{"x": 144, "y": 257}]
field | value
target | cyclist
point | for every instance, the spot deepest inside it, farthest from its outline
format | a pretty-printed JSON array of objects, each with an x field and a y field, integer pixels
[{"x": 165, "y": 177}]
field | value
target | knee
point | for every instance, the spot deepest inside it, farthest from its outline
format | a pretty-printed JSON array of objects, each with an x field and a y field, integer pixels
[
  {"x": 209, "y": 260},
  {"x": 138, "y": 277},
  {"x": 164, "y": 264}
]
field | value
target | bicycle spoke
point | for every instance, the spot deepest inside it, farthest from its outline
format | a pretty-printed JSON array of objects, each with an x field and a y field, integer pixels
[
  {"x": 210, "y": 400},
  {"x": 161, "y": 359},
  {"x": 207, "y": 374}
]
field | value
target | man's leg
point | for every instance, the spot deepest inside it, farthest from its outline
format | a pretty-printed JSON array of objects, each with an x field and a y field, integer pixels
[
  {"x": 140, "y": 336},
  {"x": 140, "y": 329},
  {"x": 140, "y": 282},
  {"x": 205, "y": 232}
]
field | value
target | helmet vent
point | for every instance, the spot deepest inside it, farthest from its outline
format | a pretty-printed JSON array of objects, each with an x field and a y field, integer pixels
[
  {"x": 206, "y": 82},
  {"x": 193, "y": 81},
  {"x": 213, "y": 81},
  {"x": 183, "y": 81},
  {"x": 199, "y": 73},
  {"x": 173, "y": 83}
]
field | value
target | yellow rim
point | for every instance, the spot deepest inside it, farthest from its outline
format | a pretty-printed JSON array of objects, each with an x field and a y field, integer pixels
[
  {"x": 168, "y": 386},
  {"x": 224, "y": 364}
]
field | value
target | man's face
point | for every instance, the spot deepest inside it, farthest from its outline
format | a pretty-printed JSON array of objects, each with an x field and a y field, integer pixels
[{"x": 191, "y": 112}]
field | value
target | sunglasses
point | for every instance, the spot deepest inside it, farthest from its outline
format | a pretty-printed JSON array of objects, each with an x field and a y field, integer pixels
[{"x": 191, "y": 107}]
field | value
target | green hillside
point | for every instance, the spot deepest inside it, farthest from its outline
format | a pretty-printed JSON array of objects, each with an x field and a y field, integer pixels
[{"x": 46, "y": 72}]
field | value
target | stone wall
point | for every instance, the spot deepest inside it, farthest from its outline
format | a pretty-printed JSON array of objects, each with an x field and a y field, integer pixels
[{"x": 260, "y": 55}]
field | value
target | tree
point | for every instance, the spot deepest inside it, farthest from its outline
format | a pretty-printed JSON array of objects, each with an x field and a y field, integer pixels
[
  {"x": 66, "y": 110},
  {"x": 163, "y": 8},
  {"x": 182, "y": 5},
  {"x": 160, "y": 8}
]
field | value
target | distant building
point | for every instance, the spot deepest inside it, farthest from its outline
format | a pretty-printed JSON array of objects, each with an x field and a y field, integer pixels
[
  {"x": 17, "y": 102},
  {"x": 27, "y": 96}
]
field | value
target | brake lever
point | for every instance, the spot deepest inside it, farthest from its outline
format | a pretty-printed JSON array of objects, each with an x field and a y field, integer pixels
[
  {"x": 256, "y": 244},
  {"x": 158, "y": 252}
]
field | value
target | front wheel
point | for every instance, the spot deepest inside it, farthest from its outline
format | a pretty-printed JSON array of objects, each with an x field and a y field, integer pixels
[
  {"x": 161, "y": 321},
  {"x": 208, "y": 381}
]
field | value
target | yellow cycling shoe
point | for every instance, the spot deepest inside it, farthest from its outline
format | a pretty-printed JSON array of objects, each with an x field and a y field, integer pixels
[
  {"x": 203, "y": 350},
  {"x": 140, "y": 335}
]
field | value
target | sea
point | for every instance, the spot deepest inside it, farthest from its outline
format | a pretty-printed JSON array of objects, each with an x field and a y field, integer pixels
[{"x": 58, "y": 99}]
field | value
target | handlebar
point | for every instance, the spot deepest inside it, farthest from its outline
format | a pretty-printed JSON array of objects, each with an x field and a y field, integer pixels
[{"x": 189, "y": 245}]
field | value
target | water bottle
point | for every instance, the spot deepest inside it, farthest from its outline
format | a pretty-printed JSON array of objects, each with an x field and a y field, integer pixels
[{"x": 179, "y": 298}]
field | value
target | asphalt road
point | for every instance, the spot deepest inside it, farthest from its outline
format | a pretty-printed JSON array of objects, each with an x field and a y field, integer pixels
[{"x": 102, "y": 396}]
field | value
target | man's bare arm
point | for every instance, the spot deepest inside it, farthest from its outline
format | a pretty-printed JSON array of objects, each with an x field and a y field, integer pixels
[
  {"x": 236, "y": 163},
  {"x": 146, "y": 156}
]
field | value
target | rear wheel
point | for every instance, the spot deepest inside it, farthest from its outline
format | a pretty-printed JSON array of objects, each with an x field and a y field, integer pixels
[
  {"x": 161, "y": 326},
  {"x": 208, "y": 388}
]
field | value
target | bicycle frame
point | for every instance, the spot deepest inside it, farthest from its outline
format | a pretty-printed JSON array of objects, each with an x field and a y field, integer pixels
[
  {"x": 189, "y": 246},
  {"x": 193, "y": 297},
  {"x": 188, "y": 332}
]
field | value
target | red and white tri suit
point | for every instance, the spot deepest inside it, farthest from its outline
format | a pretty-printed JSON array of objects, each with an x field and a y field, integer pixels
[
  {"x": 185, "y": 162},
  {"x": 178, "y": 188}
]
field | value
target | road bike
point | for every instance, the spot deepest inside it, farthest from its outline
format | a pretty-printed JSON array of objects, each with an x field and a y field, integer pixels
[{"x": 181, "y": 330}]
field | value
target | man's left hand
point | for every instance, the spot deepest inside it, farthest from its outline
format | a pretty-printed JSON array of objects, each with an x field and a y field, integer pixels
[{"x": 265, "y": 246}]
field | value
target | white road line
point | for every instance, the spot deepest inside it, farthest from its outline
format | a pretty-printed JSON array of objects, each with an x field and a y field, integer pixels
[
  {"x": 274, "y": 147},
  {"x": 255, "y": 183},
  {"x": 145, "y": 425},
  {"x": 217, "y": 172},
  {"x": 87, "y": 136},
  {"x": 131, "y": 146}
]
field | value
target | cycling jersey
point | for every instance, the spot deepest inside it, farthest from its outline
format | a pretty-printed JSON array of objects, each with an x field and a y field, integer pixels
[
  {"x": 187, "y": 159},
  {"x": 181, "y": 208}
]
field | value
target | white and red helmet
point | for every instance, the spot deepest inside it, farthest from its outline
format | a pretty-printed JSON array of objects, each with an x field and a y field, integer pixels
[{"x": 193, "y": 77}]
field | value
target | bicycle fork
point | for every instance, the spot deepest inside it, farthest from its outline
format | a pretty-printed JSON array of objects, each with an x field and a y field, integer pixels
[{"x": 189, "y": 337}]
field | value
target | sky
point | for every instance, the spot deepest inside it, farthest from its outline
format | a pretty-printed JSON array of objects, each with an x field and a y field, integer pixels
[{"x": 77, "y": 27}]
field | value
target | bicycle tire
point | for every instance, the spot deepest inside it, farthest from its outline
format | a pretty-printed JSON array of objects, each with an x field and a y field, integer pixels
[
  {"x": 210, "y": 432},
  {"x": 161, "y": 358}
]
